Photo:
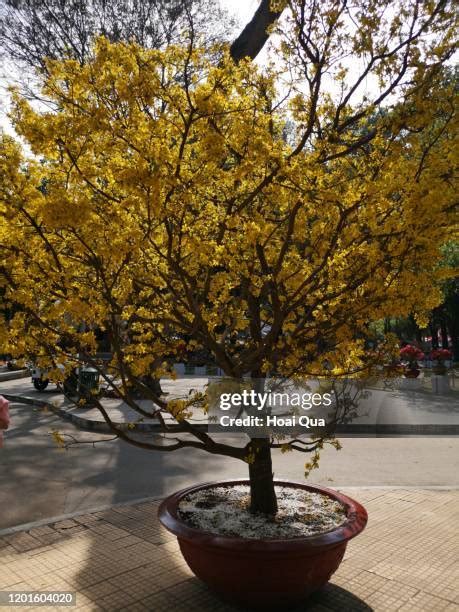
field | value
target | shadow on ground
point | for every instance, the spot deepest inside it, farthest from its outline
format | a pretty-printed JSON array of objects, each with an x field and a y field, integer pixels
[{"x": 333, "y": 597}]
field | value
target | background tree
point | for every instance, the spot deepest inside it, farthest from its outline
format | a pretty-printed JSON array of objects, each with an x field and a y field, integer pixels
[
  {"x": 175, "y": 206},
  {"x": 445, "y": 317},
  {"x": 33, "y": 30}
]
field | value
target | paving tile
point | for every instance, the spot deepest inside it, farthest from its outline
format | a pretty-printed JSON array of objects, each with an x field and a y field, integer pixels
[
  {"x": 116, "y": 601},
  {"x": 427, "y": 603},
  {"x": 67, "y": 524},
  {"x": 161, "y": 602},
  {"x": 122, "y": 559},
  {"x": 37, "y": 532},
  {"x": 333, "y": 598},
  {"x": 22, "y": 541}
]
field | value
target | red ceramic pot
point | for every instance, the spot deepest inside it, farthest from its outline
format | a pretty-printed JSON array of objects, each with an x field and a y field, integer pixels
[
  {"x": 263, "y": 573},
  {"x": 412, "y": 372}
]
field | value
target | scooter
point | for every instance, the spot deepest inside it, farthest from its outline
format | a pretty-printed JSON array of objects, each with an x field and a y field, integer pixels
[
  {"x": 79, "y": 379},
  {"x": 40, "y": 378}
]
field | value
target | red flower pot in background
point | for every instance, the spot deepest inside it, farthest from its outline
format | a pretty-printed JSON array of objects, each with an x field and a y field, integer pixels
[
  {"x": 411, "y": 354},
  {"x": 440, "y": 356}
]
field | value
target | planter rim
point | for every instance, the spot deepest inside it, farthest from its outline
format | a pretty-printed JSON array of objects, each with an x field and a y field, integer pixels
[{"x": 355, "y": 523}]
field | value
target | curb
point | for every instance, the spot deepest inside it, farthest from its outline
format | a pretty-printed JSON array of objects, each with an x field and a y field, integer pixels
[
  {"x": 381, "y": 429},
  {"x": 14, "y": 375},
  {"x": 89, "y": 424},
  {"x": 409, "y": 429},
  {"x": 23, "y": 399}
]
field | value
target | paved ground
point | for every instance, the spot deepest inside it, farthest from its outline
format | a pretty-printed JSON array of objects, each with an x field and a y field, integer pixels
[
  {"x": 122, "y": 559},
  {"x": 37, "y": 480}
]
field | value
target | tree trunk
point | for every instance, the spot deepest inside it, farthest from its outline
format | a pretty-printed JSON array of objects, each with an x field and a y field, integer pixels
[
  {"x": 262, "y": 494},
  {"x": 444, "y": 334},
  {"x": 453, "y": 328},
  {"x": 251, "y": 40},
  {"x": 434, "y": 334},
  {"x": 417, "y": 330}
]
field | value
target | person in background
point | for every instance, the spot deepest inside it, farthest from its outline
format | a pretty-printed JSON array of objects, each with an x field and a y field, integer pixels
[{"x": 4, "y": 417}]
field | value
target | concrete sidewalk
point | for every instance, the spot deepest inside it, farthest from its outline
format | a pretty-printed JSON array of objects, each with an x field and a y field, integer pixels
[
  {"x": 122, "y": 559},
  {"x": 7, "y": 374}
]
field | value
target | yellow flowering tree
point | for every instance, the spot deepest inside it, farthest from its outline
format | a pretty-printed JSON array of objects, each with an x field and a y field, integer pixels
[{"x": 178, "y": 204}]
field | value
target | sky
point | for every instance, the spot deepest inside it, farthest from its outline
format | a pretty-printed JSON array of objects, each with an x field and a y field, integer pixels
[{"x": 243, "y": 9}]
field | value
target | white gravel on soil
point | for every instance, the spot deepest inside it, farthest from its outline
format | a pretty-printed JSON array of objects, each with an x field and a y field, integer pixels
[{"x": 225, "y": 511}]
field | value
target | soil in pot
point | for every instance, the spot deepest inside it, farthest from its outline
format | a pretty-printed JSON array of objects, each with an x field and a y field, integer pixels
[{"x": 225, "y": 511}]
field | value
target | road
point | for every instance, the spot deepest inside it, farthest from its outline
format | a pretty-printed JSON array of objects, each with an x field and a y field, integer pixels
[{"x": 38, "y": 480}]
